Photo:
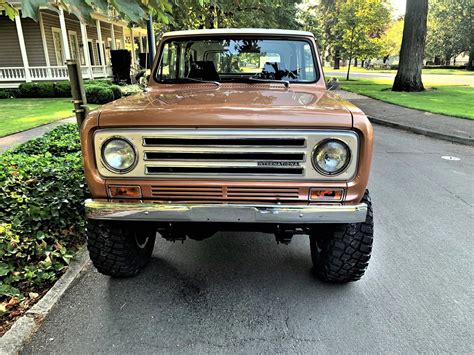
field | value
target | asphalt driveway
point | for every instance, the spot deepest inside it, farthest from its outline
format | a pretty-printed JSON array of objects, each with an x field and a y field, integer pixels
[{"x": 243, "y": 293}]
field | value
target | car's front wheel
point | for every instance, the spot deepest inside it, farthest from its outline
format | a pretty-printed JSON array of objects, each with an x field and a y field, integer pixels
[
  {"x": 341, "y": 252},
  {"x": 117, "y": 249}
]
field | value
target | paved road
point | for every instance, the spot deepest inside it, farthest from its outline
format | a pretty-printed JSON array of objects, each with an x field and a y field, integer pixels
[
  {"x": 243, "y": 293},
  {"x": 429, "y": 79}
]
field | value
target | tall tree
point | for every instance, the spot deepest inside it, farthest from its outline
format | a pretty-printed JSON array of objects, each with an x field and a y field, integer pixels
[
  {"x": 391, "y": 40},
  {"x": 413, "y": 46},
  {"x": 189, "y": 14},
  {"x": 361, "y": 23},
  {"x": 449, "y": 24},
  {"x": 311, "y": 20}
]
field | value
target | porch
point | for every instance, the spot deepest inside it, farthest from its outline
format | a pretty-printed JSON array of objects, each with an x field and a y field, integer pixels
[{"x": 37, "y": 51}]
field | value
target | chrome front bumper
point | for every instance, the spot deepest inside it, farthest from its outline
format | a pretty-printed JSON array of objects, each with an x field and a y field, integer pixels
[{"x": 224, "y": 213}]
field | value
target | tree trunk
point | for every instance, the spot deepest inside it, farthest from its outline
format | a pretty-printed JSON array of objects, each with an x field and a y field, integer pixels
[
  {"x": 337, "y": 58},
  {"x": 470, "y": 64},
  {"x": 413, "y": 46},
  {"x": 355, "y": 62},
  {"x": 348, "y": 69},
  {"x": 447, "y": 59}
]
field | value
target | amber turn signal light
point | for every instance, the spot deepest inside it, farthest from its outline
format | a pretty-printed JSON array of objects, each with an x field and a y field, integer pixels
[
  {"x": 326, "y": 194},
  {"x": 125, "y": 191}
]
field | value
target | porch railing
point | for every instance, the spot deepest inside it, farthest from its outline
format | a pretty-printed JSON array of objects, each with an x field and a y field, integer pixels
[
  {"x": 51, "y": 73},
  {"x": 12, "y": 74}
]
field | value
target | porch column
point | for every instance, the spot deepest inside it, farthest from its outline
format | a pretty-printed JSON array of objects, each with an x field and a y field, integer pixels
[
  {"x": 85, "y": 48},
  {"x": 133, "y": 46},
  {"x": 141, "y": 43},
  {"x": 45, "y": 44},
  {"x": 112, "y": 35},
  {"x": 101, "y": 46},
  {"x": 123, "y": 37},
  {"x": 64, "y": 36},
  {"x": 21, "y": 39}
]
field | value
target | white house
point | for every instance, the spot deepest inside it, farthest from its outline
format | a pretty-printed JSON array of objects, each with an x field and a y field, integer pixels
[{"x": 37, "y": 51}]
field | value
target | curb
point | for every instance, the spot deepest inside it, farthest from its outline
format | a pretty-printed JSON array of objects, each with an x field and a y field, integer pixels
[
  {"x": 424, "y": 132},
  {"x": 22, "y": 330}
]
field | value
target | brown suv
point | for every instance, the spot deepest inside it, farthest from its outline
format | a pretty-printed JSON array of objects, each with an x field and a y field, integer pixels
[{"x": 236, "y": 130}]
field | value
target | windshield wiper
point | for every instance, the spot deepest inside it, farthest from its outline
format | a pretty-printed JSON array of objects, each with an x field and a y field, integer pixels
[
  {"x": 203, "y": 81},
  {"x": 261, "y": 80}
]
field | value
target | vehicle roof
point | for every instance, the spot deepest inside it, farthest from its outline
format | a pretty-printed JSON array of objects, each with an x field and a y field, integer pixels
[{"x": 238, "y": 31}]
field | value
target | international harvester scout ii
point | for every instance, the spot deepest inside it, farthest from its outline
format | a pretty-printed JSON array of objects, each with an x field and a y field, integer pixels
[{"x": 235, "y": 131}]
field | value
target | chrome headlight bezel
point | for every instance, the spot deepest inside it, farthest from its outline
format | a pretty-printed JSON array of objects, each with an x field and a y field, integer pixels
[
  {"x": 341, "y": 169},
  {"x": 107, "y": 164}
]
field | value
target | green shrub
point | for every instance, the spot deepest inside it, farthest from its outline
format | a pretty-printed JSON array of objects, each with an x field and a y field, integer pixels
[
  {"x": 8, "y": 93},
  {"x": 60, "y": 141},
  {"x": 62, "y": 89},
  {"x": 100, "y": 82},
  {"x": 98, "y": 94},
  {"x": 116, "y": 91},
  {"x": 37, "y": 90},
  {"x": 42, "y": 188},
  {"x": 128, "y": 90}
]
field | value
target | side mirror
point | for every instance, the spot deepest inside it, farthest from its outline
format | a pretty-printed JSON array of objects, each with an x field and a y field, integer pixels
[{"x": 332, "y": 84}]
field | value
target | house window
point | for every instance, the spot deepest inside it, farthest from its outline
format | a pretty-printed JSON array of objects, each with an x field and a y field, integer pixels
[
  {"x": 99, "y": 56},
  {"x": 91, "y": 52},
  {"x": 58, "y": 46},
  {"x": 74, "y": 47}
]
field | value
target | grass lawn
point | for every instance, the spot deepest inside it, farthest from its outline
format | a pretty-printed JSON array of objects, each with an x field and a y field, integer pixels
[
  {"x": 425, "y": 71},
  {"x": 451, "y": 100},
  {"x": 21, "y": 114}
]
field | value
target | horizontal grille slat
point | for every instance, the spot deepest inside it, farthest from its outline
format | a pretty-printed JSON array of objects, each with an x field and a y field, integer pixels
[
  {"x": 218, "y": 141},
  {"x": 224, "y": 156},
  {"x": 223, "y": 170}
]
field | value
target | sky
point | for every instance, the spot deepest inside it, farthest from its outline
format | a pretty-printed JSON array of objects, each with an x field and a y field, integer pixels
[{"x": 398, "y": 7}]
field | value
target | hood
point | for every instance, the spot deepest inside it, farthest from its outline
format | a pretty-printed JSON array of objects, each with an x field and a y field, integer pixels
[{"x": 236, "y": 105}]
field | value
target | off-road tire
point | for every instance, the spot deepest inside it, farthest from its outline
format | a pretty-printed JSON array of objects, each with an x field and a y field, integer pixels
[
  {"x": 119, "y": 249},
  {"x": 341, "y": 252}
]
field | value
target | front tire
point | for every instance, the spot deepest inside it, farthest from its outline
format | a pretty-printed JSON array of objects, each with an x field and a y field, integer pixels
[
  {"x": 117, "y": 249},
  {"x": 341, "y": 252}
]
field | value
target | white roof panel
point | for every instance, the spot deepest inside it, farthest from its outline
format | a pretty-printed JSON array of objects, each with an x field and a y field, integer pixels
[{"x": 238, "y": 31}]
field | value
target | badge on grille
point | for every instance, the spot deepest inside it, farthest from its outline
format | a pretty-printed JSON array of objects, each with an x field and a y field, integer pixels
[{"x": 278, "y": 163}]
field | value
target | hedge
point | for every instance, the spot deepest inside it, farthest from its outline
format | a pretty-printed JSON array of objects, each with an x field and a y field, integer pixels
[
  {"x": 97, "y": 91},
  {"x": 99, "y": 94},
  {"x": 42, "y": 189}
]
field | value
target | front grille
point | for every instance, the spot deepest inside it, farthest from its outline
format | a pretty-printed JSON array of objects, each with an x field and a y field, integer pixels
[
  {"x": 226, "y": 193},
  {"x": 233, "y": 154},
  {"x": 224, "y": 156}
]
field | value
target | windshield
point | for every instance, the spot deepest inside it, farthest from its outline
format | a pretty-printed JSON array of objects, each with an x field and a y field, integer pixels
[{"x": 236, "y": 60}]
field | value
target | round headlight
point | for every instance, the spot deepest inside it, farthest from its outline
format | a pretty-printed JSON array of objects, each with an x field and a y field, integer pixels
[
  {"x": 119, "y": 155},
  {"x": 331, "y": 157}
]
